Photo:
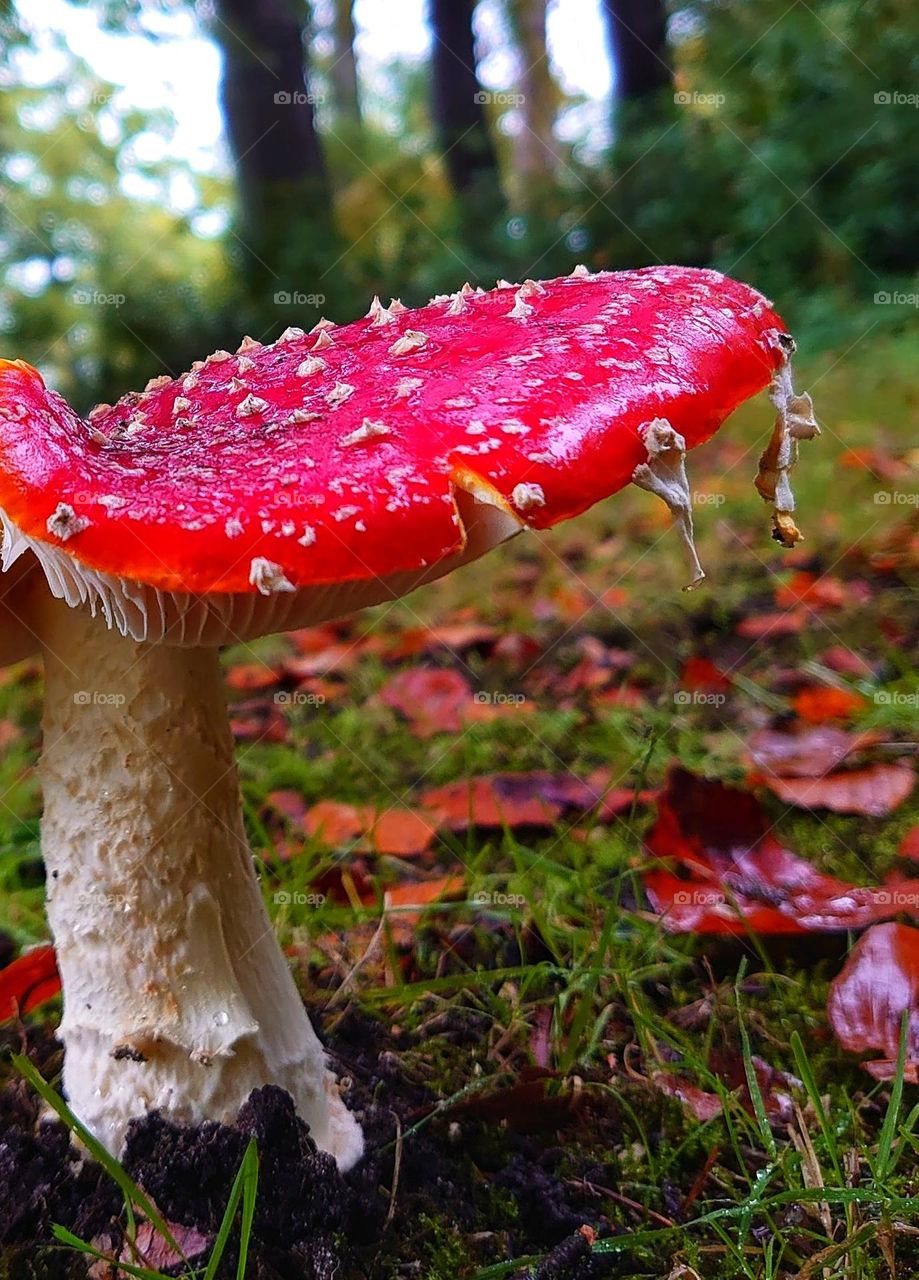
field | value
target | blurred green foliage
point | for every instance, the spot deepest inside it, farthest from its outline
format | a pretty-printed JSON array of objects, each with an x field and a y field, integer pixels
[{"x": 776, "y": 158}]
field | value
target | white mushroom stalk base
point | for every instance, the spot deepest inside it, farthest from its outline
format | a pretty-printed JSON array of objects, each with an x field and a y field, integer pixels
[{"x": 176, "y": 993}]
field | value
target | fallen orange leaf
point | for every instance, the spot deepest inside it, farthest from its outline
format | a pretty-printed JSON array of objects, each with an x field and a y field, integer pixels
[{"x": 818, "y": 703}]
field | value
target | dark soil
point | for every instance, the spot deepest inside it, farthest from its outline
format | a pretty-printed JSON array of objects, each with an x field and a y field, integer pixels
[{"x": 507, "y": 1173}]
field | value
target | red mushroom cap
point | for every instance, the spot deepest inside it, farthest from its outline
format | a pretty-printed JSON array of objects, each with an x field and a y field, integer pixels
[{"x": 336, "y": 455}]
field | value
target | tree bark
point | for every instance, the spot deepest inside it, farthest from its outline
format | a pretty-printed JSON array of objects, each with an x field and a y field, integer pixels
[
  {"x": 534, "y": 147},
  {"x": 267, "y": 107},
  {"x": 457, "y": 97},
  {"x": 343, "y": 72},
  {"x": 637, "y": 34}
]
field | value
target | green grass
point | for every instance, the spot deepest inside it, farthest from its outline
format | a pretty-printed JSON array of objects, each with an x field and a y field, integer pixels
[{"x": 833, "y": 1190}]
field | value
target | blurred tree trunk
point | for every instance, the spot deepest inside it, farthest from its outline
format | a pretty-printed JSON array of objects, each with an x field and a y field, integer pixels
[
  {"x": 267, "y": 111},
  {"x": 343, "y": 72},
  {"x": 637, "y": 34},
  {"x": 457, "y": 97},
  {"x": 534, "y": 146}
]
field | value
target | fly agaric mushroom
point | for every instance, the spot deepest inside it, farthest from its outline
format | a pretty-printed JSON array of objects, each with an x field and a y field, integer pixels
[{"x": 273, "y": 488}]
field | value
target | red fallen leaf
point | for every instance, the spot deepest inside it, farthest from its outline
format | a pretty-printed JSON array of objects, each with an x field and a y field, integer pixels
[
  {"x": 457, "y": 636},
  {"x": 873, "y": 792},
  {"x": 695, "y": 905},
  {"x": 433, "y": 700},
  {"x": 400, "y": 833},
  {"x": 775, "y": 1087},
  {"x": 838, "y": 658},
  {"x": 537, "y": 799},
  {"x": 28, "y": 982},
  {"x": 349, "y": 884},
  {"x": 420, "y": 893},
  {"x": 704, "y": 1106},
  {"x": 394, "y": 832},
  {"x": 258, "y": 722},
  {"x": 615, "y": 800},
  {"x": 250, "y": 676},
  {"x": 702, "y": 674},
  {"x": 288, "y": 804},
  {"x": 333, "y": 823},
  {"x": 479, "y": 802},
  {"x": 516, "y": 648},
  {"x": 879, "y": 981},
  {"x": 9, "y": 732},
  {"x": 881, "y": 463},
  {"x": 337, "y": 658},
  {"x": 909, "y": 845},
  {"x": 810, "y": 753},
  {"x": 821, "y": 592},
  {"x": 819, "y": 703},
  {"x": 722, "y": 836},
  {"x": 765, "y": 625},
  {"x": 313, "y": 639},
  {"x": 624, "y": 695}
]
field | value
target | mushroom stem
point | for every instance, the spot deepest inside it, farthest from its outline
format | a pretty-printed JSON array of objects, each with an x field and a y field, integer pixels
[{"x": 177, "y": 995}]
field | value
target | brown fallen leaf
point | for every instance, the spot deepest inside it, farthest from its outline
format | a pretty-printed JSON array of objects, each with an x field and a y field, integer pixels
[
  {"x": 878, "y": 983},
  {"x": 873, "y": 792}
]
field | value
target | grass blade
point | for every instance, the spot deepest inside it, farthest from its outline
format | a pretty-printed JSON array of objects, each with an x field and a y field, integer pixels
[{"x": 128, "y": 1187}]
